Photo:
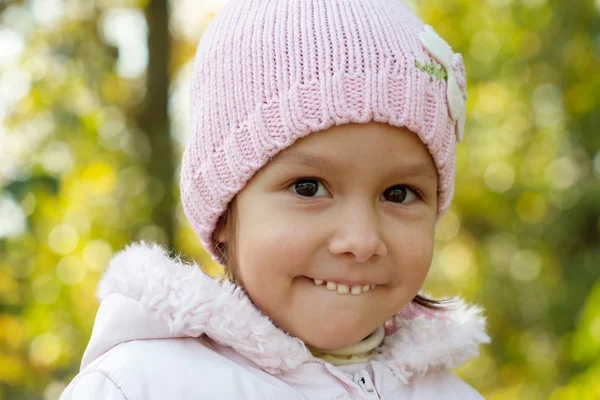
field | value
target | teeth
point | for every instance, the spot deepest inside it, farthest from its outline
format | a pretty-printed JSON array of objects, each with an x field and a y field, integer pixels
[
  {"x": 342, "y": 289},
  {"x": 345, "y": 289}
]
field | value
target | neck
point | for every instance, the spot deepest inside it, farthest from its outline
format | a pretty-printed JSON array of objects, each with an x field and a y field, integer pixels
[{"x": 360, "y": 352}]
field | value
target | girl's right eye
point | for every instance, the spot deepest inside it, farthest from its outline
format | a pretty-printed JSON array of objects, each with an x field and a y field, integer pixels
[{"x": 308, "y": 187}]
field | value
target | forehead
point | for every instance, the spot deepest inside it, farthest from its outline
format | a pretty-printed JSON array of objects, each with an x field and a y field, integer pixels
[{"x": 373, "y": 146}]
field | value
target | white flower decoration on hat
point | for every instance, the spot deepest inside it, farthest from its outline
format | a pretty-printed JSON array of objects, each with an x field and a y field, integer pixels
[{"x": 442, "y": 52}]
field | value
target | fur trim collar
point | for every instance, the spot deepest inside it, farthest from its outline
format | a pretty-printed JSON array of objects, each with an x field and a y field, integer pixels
[{"x": 192, "y": 304}]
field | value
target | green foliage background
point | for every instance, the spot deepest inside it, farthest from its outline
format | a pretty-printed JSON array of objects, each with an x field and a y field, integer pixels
[{"x": 85, "y": 169}]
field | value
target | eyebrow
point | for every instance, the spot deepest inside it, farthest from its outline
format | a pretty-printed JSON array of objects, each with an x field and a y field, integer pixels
[{"x": 423, "y": 170}]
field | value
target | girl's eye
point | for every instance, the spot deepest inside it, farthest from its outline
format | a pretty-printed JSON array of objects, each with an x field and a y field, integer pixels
[
  {"x": 308, "y": 187},
  {"x": 311, "y": 187},
  {"x": 399, "y": 193}
]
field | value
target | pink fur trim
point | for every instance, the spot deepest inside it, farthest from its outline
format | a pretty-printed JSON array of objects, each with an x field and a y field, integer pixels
[{"x": 194, "y": 304}]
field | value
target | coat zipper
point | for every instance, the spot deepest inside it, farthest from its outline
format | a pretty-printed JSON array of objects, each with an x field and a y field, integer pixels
[{"x": 363, "y": 379}]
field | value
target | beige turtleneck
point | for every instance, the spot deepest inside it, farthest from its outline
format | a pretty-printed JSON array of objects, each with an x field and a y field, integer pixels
[{"x": 360, "y": 352}]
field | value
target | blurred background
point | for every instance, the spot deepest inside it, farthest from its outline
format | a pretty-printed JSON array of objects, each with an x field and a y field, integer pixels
[{"x": 94, "y": 116}]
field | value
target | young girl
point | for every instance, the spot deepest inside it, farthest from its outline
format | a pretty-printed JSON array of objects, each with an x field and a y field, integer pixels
[{"x": 321, "y": 157}]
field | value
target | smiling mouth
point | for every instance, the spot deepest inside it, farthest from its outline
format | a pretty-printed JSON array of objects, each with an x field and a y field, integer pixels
[{"x": 342, "y": 288}]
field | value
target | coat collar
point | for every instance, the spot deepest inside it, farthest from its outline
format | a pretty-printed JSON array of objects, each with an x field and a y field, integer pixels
[{"x": 190, "y": 304}]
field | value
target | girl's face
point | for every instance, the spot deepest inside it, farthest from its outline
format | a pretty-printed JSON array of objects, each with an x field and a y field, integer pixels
[{"x": 354, "y": 204}]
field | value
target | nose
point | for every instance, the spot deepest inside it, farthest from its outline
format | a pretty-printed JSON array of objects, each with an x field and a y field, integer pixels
[{"x": 358, "y": 234}]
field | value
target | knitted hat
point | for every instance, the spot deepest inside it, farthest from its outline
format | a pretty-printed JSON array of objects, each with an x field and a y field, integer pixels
[{"x": 268, "y": 72}]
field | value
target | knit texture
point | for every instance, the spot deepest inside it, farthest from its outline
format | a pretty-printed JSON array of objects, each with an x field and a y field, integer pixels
[{"x": 267, "y": 73}]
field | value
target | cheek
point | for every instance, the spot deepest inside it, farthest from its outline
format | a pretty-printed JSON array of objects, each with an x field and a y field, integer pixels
[
  {"x": 271, "y": 244},
  {"x": 423, "y": 263},
  {"x": 425, "y": 259},
  {"x": 414, "y": 255},
  {"x": 271, "y": 251}
]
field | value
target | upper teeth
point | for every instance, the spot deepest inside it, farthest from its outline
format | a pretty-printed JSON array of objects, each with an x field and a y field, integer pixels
[{"x": 345, "y": 289}]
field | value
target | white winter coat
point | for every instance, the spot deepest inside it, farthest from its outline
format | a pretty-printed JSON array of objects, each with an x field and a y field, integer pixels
[{"x": 167, "y": 331}]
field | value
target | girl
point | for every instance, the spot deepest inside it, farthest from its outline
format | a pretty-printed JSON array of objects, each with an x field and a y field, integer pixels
[{"x": 321, "y": 157}]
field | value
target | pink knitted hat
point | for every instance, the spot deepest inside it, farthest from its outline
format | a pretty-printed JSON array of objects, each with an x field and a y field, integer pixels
[{"x": 268, "y": 72}]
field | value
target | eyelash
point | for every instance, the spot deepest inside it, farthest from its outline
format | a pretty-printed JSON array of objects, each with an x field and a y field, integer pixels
[{"x": 416, "y": 191}]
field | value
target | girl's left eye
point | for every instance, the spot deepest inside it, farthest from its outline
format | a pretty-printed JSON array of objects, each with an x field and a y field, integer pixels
[{"x": 400, "y": 193}]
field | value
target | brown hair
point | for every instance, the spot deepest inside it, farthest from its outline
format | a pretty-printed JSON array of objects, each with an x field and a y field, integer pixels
[{"x": 227, "y": 256}]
